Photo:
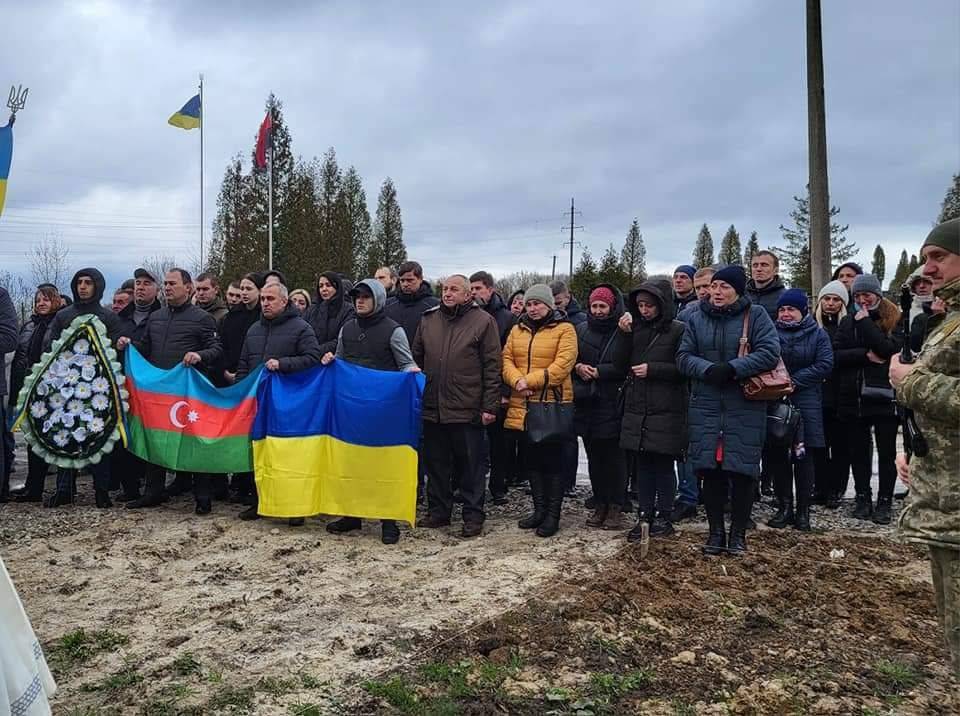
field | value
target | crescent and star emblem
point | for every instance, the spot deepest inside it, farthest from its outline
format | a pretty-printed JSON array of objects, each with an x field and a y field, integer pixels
[{"x": 192, "y": 415}]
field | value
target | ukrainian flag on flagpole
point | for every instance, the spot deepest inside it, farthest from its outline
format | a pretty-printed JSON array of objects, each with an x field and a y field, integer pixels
[
  {"x": 189, "y": 115},
  {"x": 6, "y": 157},
  {"x": 338, "y": 440}
]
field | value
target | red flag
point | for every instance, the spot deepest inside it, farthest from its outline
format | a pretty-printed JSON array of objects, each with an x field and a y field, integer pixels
[{"x": 263, "y": 139}]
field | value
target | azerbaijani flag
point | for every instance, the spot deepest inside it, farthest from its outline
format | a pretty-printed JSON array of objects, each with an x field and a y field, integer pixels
[
  {"x": 338, "y": 440},
  {"x": 189, "y": 115},
  {"x": 6, "y": 157},
  {"x": 179, "y": 420}
]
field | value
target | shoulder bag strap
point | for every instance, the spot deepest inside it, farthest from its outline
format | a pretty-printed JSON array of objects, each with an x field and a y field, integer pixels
[{"x": 744, "y": 348}]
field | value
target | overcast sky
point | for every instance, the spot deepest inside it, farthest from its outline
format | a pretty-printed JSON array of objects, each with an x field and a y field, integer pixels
[{"x": 488, "y": 116}]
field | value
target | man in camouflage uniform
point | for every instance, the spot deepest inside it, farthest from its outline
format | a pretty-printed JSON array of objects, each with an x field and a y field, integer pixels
[{"x": 931, "y": 387}]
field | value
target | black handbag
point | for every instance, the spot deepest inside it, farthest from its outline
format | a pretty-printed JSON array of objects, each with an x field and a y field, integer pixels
[
  {"x": 548, "y": 421},
  {"x": 783, "y": 419},
  {"x": 877, "y": 393}
]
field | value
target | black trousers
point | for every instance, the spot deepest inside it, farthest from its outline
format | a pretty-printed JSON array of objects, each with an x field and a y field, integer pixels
[
  {"x": 449, "y": 450},
  {"x": 656, "y": 482},
  {"x": 128, "y": 469},
  {"x": 156, "y": 478},
  {"x": 607, "y": 466},
  {"x": 498, "y": 458},
  {"x": 543, "y": 459},
  {"x": 717, "y": 485},
  {"x": 36, "y": 474},
  {"x": 861, "y": 453},
  {"x": 787, "y": 471},
  {"x": 569, "y": 461},
  {"x": 513, "y": 455},
  {"x": 832, "y": 464}
]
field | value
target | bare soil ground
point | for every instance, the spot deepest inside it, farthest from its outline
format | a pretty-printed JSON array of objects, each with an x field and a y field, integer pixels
[{"x": 162, "y": 612}]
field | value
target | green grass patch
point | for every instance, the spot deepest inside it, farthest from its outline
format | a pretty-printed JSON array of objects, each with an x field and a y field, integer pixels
[
  {"x": 240, "y": 700},
  {"x": 118, "y": 681},
  {"x": 896, "y": 676},
  {"x": 396, "y": 692},
  {"x": 610, "y": 687},
  {"x": 79, "y": 646},
  {"x": 186, "y": 664},
  {"x": 452, "y": 676},
  {"x": 305, "y": 710},
  {"x": 276, "y": 686},
  {"x": 309, "y": 681}
]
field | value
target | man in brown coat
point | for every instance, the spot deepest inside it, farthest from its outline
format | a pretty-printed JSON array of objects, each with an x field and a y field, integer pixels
[{"x": 458, "y": 348}]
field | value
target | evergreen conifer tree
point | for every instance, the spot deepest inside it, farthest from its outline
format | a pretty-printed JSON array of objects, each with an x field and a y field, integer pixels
[
  {"x": 752, "y": 248},
  {"x": 584, "y": 277},
  {"x": 387, "y": 247},
  {"x": 703, "y": 250},
  {"x": 730, "y": 248},
  {"x": 950, "y": 208},
  {"x": 633, "y": 258},
  {"x": 879, "y": 267}
]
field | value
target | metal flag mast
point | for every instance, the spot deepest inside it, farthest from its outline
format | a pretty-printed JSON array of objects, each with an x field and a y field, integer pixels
[
  {"x": 270, "y": 193},
  {"x": 202, "y": 122}
]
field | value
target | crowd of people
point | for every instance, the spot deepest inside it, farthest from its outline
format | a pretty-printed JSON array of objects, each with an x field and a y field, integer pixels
[{"x": 652, "y": 384}]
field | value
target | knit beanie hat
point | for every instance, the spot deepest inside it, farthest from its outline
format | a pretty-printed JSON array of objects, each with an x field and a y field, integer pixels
[
  {"x": 834, "y": 288},
  {"x": 539, "y": 292},
  {"x": 946, "y": 236},
  {"x": 733, "y": 275},
  {"x": 795, "y": 298},
  {"x": 604, "y": 294},
  {"x": 857, "y": 269},
  {"x": 687, "y": 269},
  {"x": 867, "y": 283}
]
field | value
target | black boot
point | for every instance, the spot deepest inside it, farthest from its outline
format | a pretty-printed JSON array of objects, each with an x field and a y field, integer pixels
[
  {"x": 864, "y": 506},
  {"x": 389, "y": 532},
  {"x": 661, "y": 526},
  {"x": 717, "y": 538},
  {"x": 102, "y": 498},
  {"x": 784, "y": 516},
  {"x": 737, "y": 543},
  {"x": 881, "y": 515},
  {"x": 554, "y": 504},
  {"x": 58, "y": 499},
  {"x": 804, "y": 477},
  {"x": 344, "y": 524},
  {"x": 643, "y": 518},
  {"x": 66, "y": 482},
  {"x": 742, "y": 503},
  {"x": 535, "y": 518},
  {"x": 249, "y": 514}
]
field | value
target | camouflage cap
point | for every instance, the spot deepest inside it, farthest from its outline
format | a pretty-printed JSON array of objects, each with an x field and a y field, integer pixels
[{"x": 946, "y": 236}]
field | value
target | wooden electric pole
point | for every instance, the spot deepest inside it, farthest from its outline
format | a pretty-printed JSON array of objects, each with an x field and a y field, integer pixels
[{"x": 817, "y": 151}]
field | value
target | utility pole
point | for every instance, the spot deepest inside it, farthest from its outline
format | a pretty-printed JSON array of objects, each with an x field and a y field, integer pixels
[
  {"x": 820, "y": 250},
  {"x": 572, "y": 228},
  {"x": 553, "y": 271}
]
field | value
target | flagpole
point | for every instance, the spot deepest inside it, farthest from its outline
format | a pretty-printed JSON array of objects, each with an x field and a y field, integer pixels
[
  {"x": 270, "y": 196},
  {"x": 202, "y": 122}
]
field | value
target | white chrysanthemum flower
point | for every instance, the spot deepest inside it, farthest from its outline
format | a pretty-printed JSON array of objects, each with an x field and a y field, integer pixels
[
  {"x": 56, "y": 416},
  {"x": 47, "y": 426},
  {"x": 81, "y": 346},
  {"x": 100, "y": 385},
  {"x": 72, "y": 376},
  {"x": 67, "y": 391},
  {"x": 90, "y": 360},
  {"x": 43, "y": 389},
  {"x": 67, "y": 356},
  {"x": 38, "y": 409},
  {"x": 74, "y": 406},
  {"x": 86, "y": 415},
  {"x": 80, "y": 434},
  {"x": 88, "y": 372},
  {"x": 83, "y": 391},
  {"x": 61, "y": 438},
  {"x": 58, "y": 400},
  {"x": 97, "y": 425},
  {"x": 100, "y": 402},
  {"x": 59, "y": 367},
  {"x": 67, "y": 419}
]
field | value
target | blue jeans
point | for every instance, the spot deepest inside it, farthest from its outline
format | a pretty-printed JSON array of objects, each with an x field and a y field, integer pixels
[{"x": 689, "y": 491}]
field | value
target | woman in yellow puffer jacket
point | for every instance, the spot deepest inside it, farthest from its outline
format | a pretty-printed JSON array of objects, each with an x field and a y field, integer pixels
[{"x": 541, "y": 347}]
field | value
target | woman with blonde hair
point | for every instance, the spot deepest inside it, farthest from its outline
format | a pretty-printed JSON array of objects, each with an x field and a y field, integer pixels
[
  {"x": 300, "y": 298},
  {"x": 831, "y": 465},
  {"x": 538, "y": 359}
]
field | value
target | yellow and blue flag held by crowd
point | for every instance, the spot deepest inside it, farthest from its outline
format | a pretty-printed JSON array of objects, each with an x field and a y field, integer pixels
[
  {"x": 338, "y": 440},
  {"x": 189, "y": 116},
  {"x": 6, "y": 157}
]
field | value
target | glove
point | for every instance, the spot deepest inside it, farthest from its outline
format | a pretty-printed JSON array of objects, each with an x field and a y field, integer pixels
[{"x": 719, "y": 373}]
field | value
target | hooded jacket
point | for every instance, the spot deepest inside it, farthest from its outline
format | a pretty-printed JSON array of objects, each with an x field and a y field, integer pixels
[
  {"x": 65, "y": 316},
  {"x": 8, "y": 333},
  {"x": 654, "y": 408},
  {"x": 375, "y": 341},
  {"x": 216, "y": 308},
  {"x": 408, "y": 308},
  {"x": 880, "y": 333},
  {"x": 575, "y": 314},
  {"x": 459, "y": 352},
  {"x": 328, "y": 317},
  {"x": 722, "y": 422},
  {"x": 768, "y": 296},
  {"x": 544, "y": 354},
  {"x": 595, "y": 401},
  {"x": 287, "y": 337},
  {"x": 808, "y": 357}
]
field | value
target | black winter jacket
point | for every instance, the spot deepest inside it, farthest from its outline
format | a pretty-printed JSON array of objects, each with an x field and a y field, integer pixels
[
  {"x": 288, "y": 338},
  {"x": 29, "y": 350},
  {"x": 174, "y": 331},
  {"x": 408, "y": 309},
  {"x": 880, "y": 333},
  {"x": 65, "y": 316},
  {"x": 831, "y": 384},
  {"x": 328, "y": 317},
  {"x": 654, "y": 408},
  {"x": 501, "y": 315},
  {"x": 766, "y": 296},
  {"x": 233, "y": 332},
  {"x": 595, "y": 401},
  {"x": 130, "y": 328}
]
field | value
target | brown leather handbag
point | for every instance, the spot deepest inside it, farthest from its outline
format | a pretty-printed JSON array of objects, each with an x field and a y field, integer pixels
[{"x": 769, "y": 385}]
